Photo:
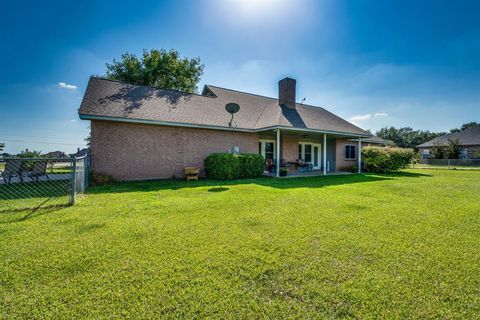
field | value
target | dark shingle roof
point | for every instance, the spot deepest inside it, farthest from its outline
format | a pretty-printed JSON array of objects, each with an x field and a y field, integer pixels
[
  {"x": 115, "y": 99},
  {"x": 468, "y": 137},
  {"x": 373, "y": 139}
]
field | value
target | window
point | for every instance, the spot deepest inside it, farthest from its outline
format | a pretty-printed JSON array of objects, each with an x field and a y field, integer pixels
[
  {"x": 308, "y": 153},
  {"x": 350, "y": 152},
  {"x": 267, "y": 149}
]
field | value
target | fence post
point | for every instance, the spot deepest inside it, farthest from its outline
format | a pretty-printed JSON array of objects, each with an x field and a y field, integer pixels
[
  {"x": 448, "y": 164},
  {"x": 73, "y": 181}
]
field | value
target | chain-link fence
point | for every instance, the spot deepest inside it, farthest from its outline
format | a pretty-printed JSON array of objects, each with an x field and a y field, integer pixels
[
  {"x": 33, "y": 182},
  {"x": 472, "y": 164}
]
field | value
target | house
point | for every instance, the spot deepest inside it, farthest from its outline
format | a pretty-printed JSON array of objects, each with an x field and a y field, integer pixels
[
  {"x": 141, "y": 132},
  {"x": 55, "y": 155},
  {"x": 468, "y": 139},
  {"x": 81, "y": 152}
]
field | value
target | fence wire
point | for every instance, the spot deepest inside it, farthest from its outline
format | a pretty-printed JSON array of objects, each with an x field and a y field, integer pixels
[
  {"x": 32, "y": 182},
  {"x": 451, "y": 163}
]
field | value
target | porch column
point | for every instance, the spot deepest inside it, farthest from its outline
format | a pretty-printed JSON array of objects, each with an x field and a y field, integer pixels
[
  {"x": 359, "y": 155},
  {"x": 277, "y": 161},
  {"x": 324, "y": 154}
]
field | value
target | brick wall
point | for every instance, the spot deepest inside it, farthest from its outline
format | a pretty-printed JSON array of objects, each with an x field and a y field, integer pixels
[
  {"x": 129, "y": 151},
  {"x": 343, "y": 164},
  {"x": 289, "y": 150}
]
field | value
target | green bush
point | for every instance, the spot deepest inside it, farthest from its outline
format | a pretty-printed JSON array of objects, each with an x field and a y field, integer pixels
[
  {"x": 227, "y": 166},
  {"x": 251, "y": 165},
  {"x": 378, "y": 159},
  {"x": 222, "y": 166}
]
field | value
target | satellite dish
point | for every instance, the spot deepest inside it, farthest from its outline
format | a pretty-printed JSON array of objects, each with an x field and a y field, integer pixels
[{"x": 232, "y": 108}]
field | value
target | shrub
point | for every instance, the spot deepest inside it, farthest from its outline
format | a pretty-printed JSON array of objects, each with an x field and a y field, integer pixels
[
  {"x": 283, "y": 172},
  {"x": 453, "y": 149},
  {"x": 227, "y": 166},
  {"x": 437, "y": 151},
  {"x": 222, "y": 166},
  {"x": 251, "y": 165},
  {"x": 97, "y": 178},
  {"x": 377, "y": 159}
]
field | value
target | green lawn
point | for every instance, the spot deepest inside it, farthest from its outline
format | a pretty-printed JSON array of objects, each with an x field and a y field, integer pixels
[{"x": 360, "y": 246}]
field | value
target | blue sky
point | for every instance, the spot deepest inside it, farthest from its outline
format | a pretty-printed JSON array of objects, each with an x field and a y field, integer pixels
[{"x": 377, "y": 63}]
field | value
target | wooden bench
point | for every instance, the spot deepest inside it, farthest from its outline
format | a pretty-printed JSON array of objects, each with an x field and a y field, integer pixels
[{"x": 191, "y": 173}]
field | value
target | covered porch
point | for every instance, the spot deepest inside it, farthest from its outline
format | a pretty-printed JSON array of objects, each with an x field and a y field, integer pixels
[{"x": 297, "y": 152}]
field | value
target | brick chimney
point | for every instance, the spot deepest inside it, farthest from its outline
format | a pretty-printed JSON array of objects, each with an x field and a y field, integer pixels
[{"x": 286, "y": 92}]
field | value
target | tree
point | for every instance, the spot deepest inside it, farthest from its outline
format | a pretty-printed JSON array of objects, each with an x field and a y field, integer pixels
[
  {"x": 406, "y": 137},
  {"x": 158, "y": 68},
  {"x": 453, "y": 149},
  {"x": 465, "y": 126},
  {"x": 29, "y": 154},
  {"x": 437, "y": 151}
]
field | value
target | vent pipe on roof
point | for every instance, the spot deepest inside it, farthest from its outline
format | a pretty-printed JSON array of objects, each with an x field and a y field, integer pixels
[{"x": 287, "y": 92}]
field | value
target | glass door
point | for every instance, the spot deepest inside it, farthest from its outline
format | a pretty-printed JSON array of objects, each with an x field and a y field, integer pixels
[
  {"x": 317, "y": 156},
  {"x": 311, "y": 153}
]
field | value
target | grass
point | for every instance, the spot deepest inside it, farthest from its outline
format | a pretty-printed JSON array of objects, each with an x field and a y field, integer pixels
[{"x": 359, "y": 246}]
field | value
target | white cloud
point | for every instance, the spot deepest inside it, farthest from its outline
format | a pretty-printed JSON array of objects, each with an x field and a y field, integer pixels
[
  {"x": 362, "y": 117},
  {"x": 381, "y": 114},
  {"x": 67, "y": 86}
]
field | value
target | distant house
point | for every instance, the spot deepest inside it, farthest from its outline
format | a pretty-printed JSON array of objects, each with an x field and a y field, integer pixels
[
  {"x": 82, "y": 152},
  {"x": 55, "y": 154},
  {"x": 141, "y": 132},
  {"x": 468, "y": 139}
]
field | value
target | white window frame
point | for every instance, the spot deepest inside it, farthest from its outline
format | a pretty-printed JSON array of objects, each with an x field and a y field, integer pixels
[
  {"x": 345, "y": 151},
  {"x": 262, "y": 147},
  {"x": 313, "y": 144}
]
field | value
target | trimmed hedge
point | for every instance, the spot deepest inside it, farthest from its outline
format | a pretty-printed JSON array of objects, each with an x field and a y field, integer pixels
[
  {"x": 378, "y": 159},
  {"x": 227, "y": 166},
  {"x": 251, "y": 165}
]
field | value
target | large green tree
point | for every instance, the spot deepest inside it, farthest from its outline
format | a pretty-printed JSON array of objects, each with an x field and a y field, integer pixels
[
  {"x": 406, "y": 137},
  {"x": 158, "y": 68},
  {"x": 465, "y": 126}
]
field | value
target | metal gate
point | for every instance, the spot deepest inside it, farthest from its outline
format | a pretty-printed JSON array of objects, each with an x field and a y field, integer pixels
[{"x": 33, "y": 182}]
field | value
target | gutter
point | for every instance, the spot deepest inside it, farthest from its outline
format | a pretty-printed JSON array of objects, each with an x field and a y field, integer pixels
[{"x": 206, "y": 126}]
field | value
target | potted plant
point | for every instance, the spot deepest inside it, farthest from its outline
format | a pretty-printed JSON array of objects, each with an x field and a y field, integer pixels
[{"x": 283, "y": 172}]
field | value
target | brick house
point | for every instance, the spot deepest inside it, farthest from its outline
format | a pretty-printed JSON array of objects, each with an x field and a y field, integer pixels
[
  {"x": 468, "y": 139},
  {"x": 141, "y": 132}
]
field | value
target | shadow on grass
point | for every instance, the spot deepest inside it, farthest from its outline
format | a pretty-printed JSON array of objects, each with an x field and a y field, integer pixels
[
  {"x": 39, "y": 210},
  {"x": 220, "y": 186}
]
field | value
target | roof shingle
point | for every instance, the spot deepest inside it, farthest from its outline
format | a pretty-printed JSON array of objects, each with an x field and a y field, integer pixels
[{"x": 115, "y": 99}]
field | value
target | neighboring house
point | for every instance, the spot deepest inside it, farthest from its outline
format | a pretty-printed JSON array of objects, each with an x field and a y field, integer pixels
[
  {"x": 81, "y": 152},
  {"x": 141, "y": 132},
  {"x": 55, "y": 154},
  {"x": 468, "y": 139}
]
